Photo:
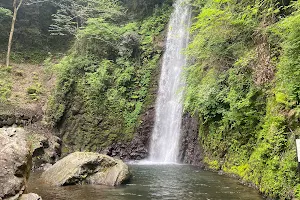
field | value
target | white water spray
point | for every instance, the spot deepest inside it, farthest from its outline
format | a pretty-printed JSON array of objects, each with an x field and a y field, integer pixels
[{"x": 164, "y": 147}]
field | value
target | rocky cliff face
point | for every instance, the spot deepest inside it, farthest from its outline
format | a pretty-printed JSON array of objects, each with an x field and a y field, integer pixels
[
  {"x": 190, "y": 149},
  {"x": 138, "y": 148},
  {"x": 15, "y": 116},
  {"x": 45, "y": 149},
  {"x": 45, "y": 146}
]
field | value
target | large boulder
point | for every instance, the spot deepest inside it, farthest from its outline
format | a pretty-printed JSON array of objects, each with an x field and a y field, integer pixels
[
  {"x": 87, "y": 168},
  {"x": 15, "y": 162}
]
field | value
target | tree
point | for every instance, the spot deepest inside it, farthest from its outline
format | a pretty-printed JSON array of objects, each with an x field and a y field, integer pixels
[
  {"x": 73, "y": 14},
  {"x": 5, "y": 18},
  {"x": 16, "y": 6}
]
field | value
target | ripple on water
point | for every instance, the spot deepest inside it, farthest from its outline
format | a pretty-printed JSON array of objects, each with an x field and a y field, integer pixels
[{"x": 154, "y": 182}]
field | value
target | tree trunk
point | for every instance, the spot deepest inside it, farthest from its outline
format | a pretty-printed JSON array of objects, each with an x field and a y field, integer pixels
[{"x": 16, "y": 8}]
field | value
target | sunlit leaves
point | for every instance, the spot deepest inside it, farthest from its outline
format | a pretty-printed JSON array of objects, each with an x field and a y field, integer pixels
[{"x": 5, "y": 13}]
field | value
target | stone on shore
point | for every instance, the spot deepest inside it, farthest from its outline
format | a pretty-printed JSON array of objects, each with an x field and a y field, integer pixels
[{"x": 15, "y": 162}]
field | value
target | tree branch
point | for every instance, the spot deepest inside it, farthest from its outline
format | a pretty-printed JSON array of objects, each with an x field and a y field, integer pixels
[
  {"x": 20, "y": 3},
  {"x": 35, "y": 2}
]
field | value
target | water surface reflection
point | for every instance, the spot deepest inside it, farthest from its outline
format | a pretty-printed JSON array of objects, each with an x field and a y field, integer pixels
[{"x": 154, "y": 182}]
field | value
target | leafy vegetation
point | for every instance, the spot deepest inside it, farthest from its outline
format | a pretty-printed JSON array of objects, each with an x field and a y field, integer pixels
[
  {"x": 5, "y": 84},
  {"x": 104, "y": 82},
  {"x": 31, "y": 40},
  {"x": 243, "y": 85},
  {"x": 74, "y": 14},
  {"x": 243, "y": 82},
  {"x": 35, "y": 89}
]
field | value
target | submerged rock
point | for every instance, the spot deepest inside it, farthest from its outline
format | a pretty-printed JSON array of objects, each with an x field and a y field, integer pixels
[
  {"x": 87, "y": 168},
  {"x": 30, "y": 196},
  {"x": 15, "y": 162}
]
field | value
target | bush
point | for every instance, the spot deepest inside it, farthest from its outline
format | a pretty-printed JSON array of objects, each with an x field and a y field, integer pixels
[
  {"x": 105, "y": 83},
  {"x": 249, "y": 119}
]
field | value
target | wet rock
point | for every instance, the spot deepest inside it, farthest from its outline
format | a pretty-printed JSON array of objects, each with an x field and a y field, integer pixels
[
  {"x": 87, "y": 168},
  {"x": 45, "y": 149},
  {"x": 15, "y": 162},
  {"x": 30, "y": 196},
  {"x": 137, "y": 149},
  {"x": 190, "y": 148}
]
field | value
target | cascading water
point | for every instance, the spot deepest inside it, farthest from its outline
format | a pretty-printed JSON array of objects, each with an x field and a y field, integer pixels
[{"x": 164, "y": 147}]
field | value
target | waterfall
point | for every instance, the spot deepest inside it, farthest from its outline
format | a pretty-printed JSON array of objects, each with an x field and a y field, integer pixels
[{"x": 164, "y": 147}]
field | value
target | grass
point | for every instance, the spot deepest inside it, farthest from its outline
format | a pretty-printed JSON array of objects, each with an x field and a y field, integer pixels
[{"x": 5, "y": 83}]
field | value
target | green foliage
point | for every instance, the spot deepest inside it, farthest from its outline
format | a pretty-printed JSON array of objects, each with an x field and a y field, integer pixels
[
  {"x": 32, "y": 57},
  {"x": 31, "y": 37},
  {"x": 5, "y": 20},
  {"x": 34, "y": 91},
  {"x": 99, "y": 37},
  {"x": 288, "y": 68},
  {"x": 5, "y": 13},
  {"x": 5, "y": 83},
  {"x": 247, "y": 128},
  {"x": 142, "y": 8},
  {"x": 104, "y": 84},
  {"x": 213, "y": 164},
  {"x": 74, "y": 14}
]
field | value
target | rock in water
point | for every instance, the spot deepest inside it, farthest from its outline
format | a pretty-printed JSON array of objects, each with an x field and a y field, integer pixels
[
  {"x": 15, "y": 162},
  {"x": 30, "y": 196},
  {"x": 87, "y": 168}
]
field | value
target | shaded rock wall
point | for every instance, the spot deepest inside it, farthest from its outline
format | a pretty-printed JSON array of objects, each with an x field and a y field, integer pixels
[
  {"x": 20, "y": 117},
  {"x": 45, "y": 150},
  {"x": 190, "y": 148},
  {"x": 138, "y": 148}
]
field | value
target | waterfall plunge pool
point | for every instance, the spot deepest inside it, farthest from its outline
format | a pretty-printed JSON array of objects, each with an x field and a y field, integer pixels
[{"x": 154, "y": 182}]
